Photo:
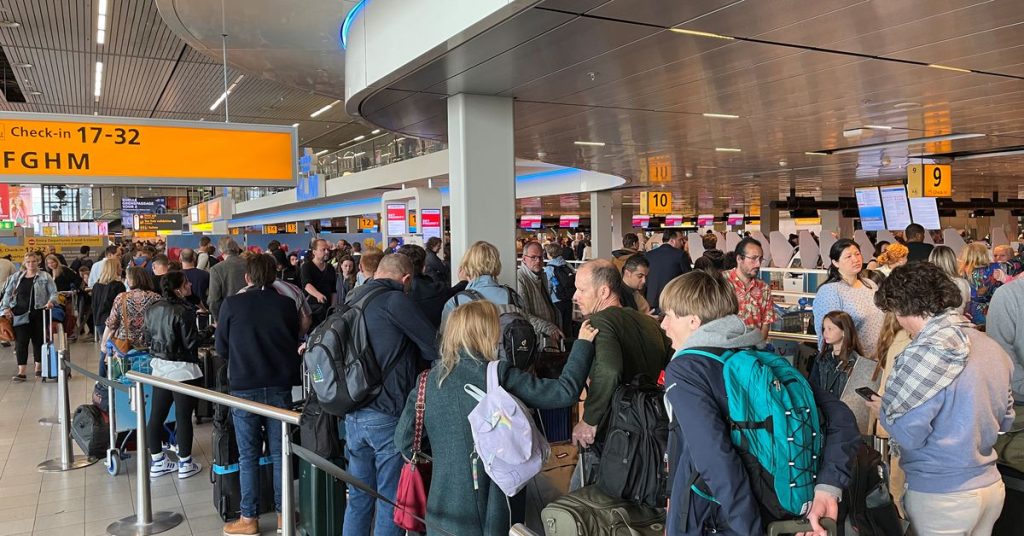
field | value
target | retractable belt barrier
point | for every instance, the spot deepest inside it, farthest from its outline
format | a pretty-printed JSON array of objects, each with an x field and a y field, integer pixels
[{"x": 68, "y": 459}]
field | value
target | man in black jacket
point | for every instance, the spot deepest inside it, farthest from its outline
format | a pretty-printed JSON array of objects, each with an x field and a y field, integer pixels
[
  {"x": 668, "y": 262},
  {"x": 919, "y": 250},
  {"x": 428, "y": 294},
  {"x": 258, "y": 335},
  {"x": 435, "y": 267},
  {"x": 400, "y": 335}
]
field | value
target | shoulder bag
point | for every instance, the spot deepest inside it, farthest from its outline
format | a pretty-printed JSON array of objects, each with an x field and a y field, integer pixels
[
  {"x": 123, "y": 345},
  {"x": 413, "y": 483}
]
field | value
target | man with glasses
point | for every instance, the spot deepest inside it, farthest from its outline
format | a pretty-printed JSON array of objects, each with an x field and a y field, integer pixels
[
  {"x": 535, "y": 289},
  {"x": 754, "y": 296}
]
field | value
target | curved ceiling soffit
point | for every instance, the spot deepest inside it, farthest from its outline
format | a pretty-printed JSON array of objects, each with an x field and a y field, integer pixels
[{"x": 293, "y": 43}]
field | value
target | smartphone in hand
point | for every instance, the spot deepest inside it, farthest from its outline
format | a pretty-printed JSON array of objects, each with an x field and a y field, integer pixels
[{"x": 866, "y": 393}]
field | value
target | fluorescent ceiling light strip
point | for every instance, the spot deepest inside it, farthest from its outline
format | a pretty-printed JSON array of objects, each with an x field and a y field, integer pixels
[
  {"x": 321, "y": 153},
  {"x": 294, "y": 125},
  {"x": 989, "y": 155},
  {"x": 324, "y": 109},
  {"x": 948, "y": 68},
  {"x": 103, "y": 7},
  {"x": 904, "y": 143},
  {"x": 701, "y": 34},
  {"x": 377, "y": 131},
  {"x": 728, "y": 150},
  {"x": 878, "y": 127},
  {"x": 359, "y": 138},
  {"x": 722, "y": 116},
  {"x": 590, "y": 143},
  {"x": 98, "y": 81},
  {"x": 815, "y": 153},
  {"x": 224, "y": 95}
]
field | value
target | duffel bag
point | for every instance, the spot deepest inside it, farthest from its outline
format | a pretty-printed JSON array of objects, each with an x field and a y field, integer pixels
[
  {"x": 589, "y": 512},
  {"x": 89, "y": 429}
]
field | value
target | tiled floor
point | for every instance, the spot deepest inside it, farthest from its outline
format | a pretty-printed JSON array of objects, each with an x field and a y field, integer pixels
[{"x": 83, "y": 502}]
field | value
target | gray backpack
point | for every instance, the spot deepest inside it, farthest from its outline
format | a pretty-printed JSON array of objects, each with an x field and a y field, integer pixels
[{"x": 518, "y": 338}]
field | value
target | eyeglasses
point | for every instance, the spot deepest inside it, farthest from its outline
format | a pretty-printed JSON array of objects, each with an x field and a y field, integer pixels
[
  {"x": 755, "y": 258},
  {"x": 534, "y": 257}
]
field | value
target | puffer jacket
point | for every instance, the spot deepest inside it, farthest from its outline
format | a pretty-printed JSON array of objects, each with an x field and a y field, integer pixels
[{"x": 171, "y": 331}]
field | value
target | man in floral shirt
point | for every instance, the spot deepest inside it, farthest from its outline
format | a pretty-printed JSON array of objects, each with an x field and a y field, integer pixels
[{"x": 754, "y": 296}]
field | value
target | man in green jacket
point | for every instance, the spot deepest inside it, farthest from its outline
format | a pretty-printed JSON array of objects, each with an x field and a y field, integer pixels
[{"x": 628, "y": 343}]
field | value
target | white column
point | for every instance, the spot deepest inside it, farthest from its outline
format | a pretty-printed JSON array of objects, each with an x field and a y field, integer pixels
[
  {"x": 482, "y": 178},
  {"x": 622, "y": 223},
  {"x": 601, "y": 225}
]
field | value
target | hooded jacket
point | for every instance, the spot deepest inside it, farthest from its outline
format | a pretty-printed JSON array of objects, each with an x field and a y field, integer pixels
[{"x": 699, "y": 438}]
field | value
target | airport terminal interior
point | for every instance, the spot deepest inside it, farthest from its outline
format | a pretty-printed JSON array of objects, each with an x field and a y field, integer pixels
[{"x": 378, "y": 143}]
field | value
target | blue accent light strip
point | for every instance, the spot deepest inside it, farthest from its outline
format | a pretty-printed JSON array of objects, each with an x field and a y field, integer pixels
[
  {"x": 545, "y": 174},
  {"x": 297, "y": 212},
  {"x": 349, "y": 19}
]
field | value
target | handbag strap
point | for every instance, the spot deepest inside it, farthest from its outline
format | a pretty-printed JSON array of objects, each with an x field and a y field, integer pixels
[{"x": 417, "y": 436}]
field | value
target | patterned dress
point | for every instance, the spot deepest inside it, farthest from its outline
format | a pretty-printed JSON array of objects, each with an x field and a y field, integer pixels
[{"x": 128, "y": 314}]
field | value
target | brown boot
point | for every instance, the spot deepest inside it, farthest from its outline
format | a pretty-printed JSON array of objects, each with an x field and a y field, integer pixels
[
  {"x": 243, "y": 526},
  {"x": 280, "y": 524}
]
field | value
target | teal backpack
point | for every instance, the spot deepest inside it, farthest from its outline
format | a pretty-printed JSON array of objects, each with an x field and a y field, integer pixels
[{"x": 775, "y": 427}]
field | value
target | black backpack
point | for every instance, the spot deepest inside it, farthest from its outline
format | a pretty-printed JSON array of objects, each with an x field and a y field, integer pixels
[
  {"x": 565, "y": 282},
  {"x": 633, "y": 462},
  {"x": 343, "y": 371},
  {"x": 869, "y": 504},
  {"x": 518, "y": 338}
]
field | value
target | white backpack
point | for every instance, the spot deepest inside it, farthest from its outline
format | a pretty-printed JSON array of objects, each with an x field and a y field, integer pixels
[{"x": 506, "y": 438}]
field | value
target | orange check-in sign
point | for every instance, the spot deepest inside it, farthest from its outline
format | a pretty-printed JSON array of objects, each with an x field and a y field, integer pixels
[{"x": 114, "y": 150}]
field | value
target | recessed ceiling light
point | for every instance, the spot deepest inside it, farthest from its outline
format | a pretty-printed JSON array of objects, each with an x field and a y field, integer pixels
[
  {"x": 294, "y": 125},
  {"x": 815, "y": 153},
  {"x": 701, "y": 34},
  {"x": 35, "y": 92},
  {"x": 23, "y": 65},
  {"x": 321, "y": 153},
  {"x": 376, "y": 131},
  {"x": 948, "y": 68},
  {"x": 878, "y": 127},
  {"x": 9, "y": 24},
  {"x": 360, "y": 154},
  {"x": 324, "y": 109},
  {"x": 722, "y": 116},
  {"x": 590, "y": 143},
  {"x": 728, "y": 149},
  {"x": 359, "y": 138},
  {"x": 907, "y": 105}
]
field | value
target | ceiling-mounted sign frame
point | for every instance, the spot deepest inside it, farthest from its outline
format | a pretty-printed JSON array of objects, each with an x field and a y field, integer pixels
[{"x": 51, "y": 149}]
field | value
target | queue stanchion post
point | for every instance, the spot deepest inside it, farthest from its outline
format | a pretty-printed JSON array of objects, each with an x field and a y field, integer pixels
[
  {"x": 287, "y": 489},
  {"x": 113, "y": 452},
  {"x": 48, "y": 421},
  {"x": 68, "y": 459},
  {"x": 144, "y": 521}
]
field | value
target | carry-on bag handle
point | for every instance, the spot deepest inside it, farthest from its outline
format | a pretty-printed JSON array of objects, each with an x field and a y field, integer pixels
[{"x": 796, "y": 526}]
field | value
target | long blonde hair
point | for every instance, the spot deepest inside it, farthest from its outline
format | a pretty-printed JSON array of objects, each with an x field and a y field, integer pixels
[
  {"x": 974, "y": 255},
  {"x": 890, "y": 327},
  {"x": 472, "y": 328}
]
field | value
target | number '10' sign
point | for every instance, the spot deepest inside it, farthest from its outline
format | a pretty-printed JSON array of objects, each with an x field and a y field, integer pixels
[{"x": 655, "y": 202}]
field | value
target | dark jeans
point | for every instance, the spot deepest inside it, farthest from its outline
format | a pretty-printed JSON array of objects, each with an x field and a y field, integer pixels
[
  {"x": 374, "y": 459},
  {"x": 31, "y": 332},
  {"x": 184, "y": 405},
  {"x": 249, "y": 430}
]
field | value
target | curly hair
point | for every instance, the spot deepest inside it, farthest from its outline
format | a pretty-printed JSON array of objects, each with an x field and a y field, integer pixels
[{"x": 917, "y": 289}]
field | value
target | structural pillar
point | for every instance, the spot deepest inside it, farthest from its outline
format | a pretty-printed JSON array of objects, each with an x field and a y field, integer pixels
[
  {"x": 601, "y": 230},
  {"x": 769, "y": 219},
  {"x": 481, "y": 161},
  {"x": 621, "y": 224},
  {"x": 833, "y": 221}
]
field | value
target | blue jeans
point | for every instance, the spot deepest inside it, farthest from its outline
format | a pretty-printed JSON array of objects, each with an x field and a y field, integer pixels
[
  {"x": 373, "y": 459},
  {"x": 249, "y": 429}
]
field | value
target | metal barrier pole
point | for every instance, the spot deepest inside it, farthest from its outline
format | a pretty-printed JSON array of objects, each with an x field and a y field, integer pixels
[
  {"x": 287, "y": 488},
  {"x": 113, "y": 449},
  {"x": 144, "y": 521},
  {"x": 68, "y": 460}
]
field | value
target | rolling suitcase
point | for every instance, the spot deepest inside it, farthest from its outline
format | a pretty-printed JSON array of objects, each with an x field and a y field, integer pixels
[
  {"x": 321, "y": 501},
  {"x": 224, "y": 475},
  {"x": 49, "y": 350},
  {"x": 90, "y": 430},
  {"x": 210, "y": 364},
  {"x": 589, "y": 512}
]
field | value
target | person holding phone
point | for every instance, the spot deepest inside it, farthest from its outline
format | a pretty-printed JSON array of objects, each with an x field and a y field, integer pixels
[{"x": 842, "y": 370}]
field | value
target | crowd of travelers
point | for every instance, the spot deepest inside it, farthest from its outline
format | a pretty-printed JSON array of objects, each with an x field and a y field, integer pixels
[{"x": 917, "y": 347}]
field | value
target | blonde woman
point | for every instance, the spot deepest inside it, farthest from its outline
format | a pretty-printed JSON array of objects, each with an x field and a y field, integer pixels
[
  {"x": 945, "y": 258},
  {"x": 983, "y": 276},
  {"x": 456, "y": 503},
  {"x": 25, "y": 296},
  {"x": 891, "y": 342}
]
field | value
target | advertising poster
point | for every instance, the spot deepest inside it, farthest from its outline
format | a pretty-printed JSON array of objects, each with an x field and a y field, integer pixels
[
  {"x": 5, "y": 202},
  {"x": 20, "y": 205},
  {"x": 396, "y": 220},
  {"x": 431, "y": 222}
]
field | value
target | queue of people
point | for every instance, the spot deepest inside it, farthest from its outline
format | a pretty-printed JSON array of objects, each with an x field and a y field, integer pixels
[{"x": 940, "y": 389}]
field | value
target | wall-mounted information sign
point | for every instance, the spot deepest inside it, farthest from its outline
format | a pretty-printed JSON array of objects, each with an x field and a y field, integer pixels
[
  {"x": 120, "y": 150},
  {"x": 569, "y": 220},
  {"x": 734, "y": 219},
  {"x": 529, "y": 221},
  {"x": 705, "y": 220},
  {"x": 430, "y": 219},
  {"x": 396, "y": 219},
  {"x": 158, "y": 222},
  {"x": 673, "y": 220}
]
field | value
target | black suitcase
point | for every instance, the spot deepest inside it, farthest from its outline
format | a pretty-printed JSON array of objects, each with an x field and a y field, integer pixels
[
  {"x": 322, "y": 501},
  {"x": 227, "y": 492},
  {"x": 89, "y": 428},
  {"x": 210, "y": 364}
]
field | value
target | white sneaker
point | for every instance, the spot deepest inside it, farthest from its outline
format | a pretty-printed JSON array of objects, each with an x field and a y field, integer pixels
[
  {"x": 162, "y": 467},
  {"x": 187, "y": 469}
]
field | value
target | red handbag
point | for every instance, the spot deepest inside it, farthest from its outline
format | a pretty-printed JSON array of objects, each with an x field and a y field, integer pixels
[{"x": 415, "y": 478}]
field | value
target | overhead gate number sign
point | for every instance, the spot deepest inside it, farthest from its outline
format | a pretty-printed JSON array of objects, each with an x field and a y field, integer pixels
[
  {"x": 115, "y": 150},
  {"x": 929, "y": 180},
  {"x": 655, "y": 202}
]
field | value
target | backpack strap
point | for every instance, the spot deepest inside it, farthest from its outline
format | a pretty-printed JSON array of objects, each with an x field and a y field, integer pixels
[
  {"x": 721, "y": 358},
  {"x": 492, "y": 377},
  {"x": 474, "y": 295}
]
